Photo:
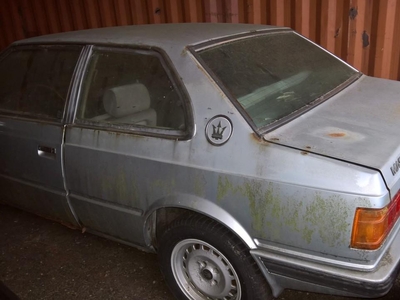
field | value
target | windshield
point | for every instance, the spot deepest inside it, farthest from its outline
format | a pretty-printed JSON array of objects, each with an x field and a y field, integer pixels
[{"x": 276, "y": 74}]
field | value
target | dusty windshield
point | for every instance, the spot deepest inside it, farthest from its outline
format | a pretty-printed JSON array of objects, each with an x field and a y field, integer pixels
[{"x": 274, "y": 75}]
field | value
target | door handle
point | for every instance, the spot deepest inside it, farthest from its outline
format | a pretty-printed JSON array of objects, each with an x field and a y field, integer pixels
[{"x": 46, "y": 152}]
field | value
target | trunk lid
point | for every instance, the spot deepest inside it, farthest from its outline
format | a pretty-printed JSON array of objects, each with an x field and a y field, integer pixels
[{"x": 360, "y": 124}]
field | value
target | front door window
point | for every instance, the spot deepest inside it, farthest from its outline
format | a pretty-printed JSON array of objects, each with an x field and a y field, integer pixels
[{"x": 34, "y": 81}]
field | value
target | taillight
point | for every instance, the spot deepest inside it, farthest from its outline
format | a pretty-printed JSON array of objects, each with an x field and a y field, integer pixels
[{"x": 371, "y": 226}]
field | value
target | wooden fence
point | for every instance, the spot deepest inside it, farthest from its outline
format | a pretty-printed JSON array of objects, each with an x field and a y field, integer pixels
[{"x": 365, "y": 33}]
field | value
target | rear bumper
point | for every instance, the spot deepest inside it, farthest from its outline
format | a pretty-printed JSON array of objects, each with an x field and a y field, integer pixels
[{"x": 291, "y": 272}]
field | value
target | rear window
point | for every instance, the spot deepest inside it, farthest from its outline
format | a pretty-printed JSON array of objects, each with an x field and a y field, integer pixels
[{"x": 275, "y": 75}]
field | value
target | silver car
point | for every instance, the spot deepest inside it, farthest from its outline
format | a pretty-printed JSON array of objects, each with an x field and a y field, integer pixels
[{"x": 249, "y": 158}]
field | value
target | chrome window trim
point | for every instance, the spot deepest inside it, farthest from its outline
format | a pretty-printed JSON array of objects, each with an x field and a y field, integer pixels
[{"x": 75, "y": 89}]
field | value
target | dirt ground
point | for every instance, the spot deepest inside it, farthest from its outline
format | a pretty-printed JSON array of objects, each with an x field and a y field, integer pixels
[{"x": 40, "y": 259}]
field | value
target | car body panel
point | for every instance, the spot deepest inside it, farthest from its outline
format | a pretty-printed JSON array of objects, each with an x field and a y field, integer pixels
[
  {"x": 131, "y": 160},
  {"x": 357, "y": 125},
  {"x": 32, "y": 165}
]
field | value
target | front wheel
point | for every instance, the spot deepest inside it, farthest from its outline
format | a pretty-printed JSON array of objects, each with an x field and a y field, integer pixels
[{"x": 201, "y": 259}]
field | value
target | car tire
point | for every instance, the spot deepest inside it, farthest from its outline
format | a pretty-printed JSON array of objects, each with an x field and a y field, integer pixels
[{"x": 201, "y": 259}]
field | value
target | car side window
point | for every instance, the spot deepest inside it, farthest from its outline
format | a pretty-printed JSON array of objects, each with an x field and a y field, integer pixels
[
  {"x": 123, "y": 87},
  {"x": 34, "y": 81}
]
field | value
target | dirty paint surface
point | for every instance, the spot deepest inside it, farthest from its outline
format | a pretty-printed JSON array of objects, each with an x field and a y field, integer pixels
[
  {"x": 166, "y": 187},
  {"x": 275, "y": 214},
  {"x": 199, "y": 184},
  {"x": 224, "y": 187},
  {"x": 328, "y": 217}
]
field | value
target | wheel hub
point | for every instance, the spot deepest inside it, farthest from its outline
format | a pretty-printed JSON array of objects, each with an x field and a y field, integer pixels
[{"x": 206, "y": 274}]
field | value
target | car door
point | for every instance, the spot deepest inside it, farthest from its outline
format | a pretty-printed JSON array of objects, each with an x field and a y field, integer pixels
[
  {"x": 34, "y": 87},
  {"x": 130, "y": 114}
]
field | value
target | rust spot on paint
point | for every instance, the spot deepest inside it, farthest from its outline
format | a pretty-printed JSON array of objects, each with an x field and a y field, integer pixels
[
  {"x": 304, "y": 153},
  {"x": 274, "y": 139},
  {"x": 308, "y": 147},
  {"x": 259, "y": 139},
  {"x": 256, "y": 137},
  {"x": 337, "y": 134}
]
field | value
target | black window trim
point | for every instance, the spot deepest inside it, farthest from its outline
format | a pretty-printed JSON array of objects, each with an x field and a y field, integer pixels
[{"x": 172, "y": 74}]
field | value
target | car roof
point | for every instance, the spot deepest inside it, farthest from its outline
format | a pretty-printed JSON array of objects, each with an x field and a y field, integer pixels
[{"x": 159, "y": 35}]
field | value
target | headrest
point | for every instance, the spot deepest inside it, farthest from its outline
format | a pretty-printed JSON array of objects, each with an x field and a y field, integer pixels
[{"x": 126, "y": 100}]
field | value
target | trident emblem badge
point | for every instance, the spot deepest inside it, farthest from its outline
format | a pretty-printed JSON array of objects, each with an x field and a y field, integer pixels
[{"x": 218, "y": 130}]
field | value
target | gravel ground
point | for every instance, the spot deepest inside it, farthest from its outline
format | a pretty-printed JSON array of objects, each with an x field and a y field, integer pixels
[{"x": 40, "y": 259}]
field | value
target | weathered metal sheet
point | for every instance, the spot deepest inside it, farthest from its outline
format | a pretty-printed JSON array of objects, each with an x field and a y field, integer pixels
[{"x": 362, "y": 32}]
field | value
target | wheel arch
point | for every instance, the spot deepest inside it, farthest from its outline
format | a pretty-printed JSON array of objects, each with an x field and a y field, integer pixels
[{"x": 164, "y": 211}]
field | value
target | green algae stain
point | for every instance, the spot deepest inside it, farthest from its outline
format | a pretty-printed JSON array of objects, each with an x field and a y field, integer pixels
[
  {"x": 275, "y": 215},
  {"x": 307, "y": 234},
  {"x": 135, "y": 191},
  {"x": 276, "y": 206},
  {"x": 257, "y": 205},
  {"x": 225, "y": 187},
  {"x": 329, "y": 218},
  {"x": 199, "y": 185},
  {"x": 262, "y": 203},
  {"x": 121, "y": 186},
  {"x": 165, "y": 187},
  {"x": 291, "y": 218},
  {"x": 119, "y": 189}
]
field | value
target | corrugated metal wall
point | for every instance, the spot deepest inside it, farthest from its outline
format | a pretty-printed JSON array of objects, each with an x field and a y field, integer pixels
[{"x": 366, "y": 33}]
